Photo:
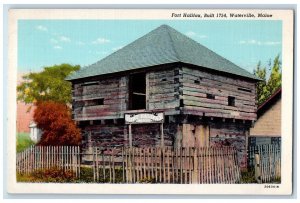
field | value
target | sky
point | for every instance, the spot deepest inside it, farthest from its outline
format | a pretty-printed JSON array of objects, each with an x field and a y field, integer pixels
[{"x": 83, "y": 42}]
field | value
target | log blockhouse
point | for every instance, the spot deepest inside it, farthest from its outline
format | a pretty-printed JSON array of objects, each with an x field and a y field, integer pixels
[{"x": 205, "y": 99}]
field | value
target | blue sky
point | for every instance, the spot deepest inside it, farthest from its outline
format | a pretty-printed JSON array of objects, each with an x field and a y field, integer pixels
[{"x": 82, "y": 42}]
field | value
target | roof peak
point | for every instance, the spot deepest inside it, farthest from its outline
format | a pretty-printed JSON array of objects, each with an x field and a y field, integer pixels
[
  {"x": 165, "y": 26},
  {"x": 162, "y": 45}
]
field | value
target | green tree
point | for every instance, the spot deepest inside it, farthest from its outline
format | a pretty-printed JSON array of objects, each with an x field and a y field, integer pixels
[
  {"x": 47, "y": 85},
  {"x": 274, "y": 81},
  {"x": 265, "y": 88},
  {"x": 261, "y": 89}
]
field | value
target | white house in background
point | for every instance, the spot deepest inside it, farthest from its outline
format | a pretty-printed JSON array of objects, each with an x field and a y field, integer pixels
[{"x": 35, "y": 132}]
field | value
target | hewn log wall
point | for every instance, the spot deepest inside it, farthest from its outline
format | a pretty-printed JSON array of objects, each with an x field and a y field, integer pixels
[
  {"x": 115, "y": 135},
  {"x": 113, "y": 91},
  {"x": 105, "y": 135},
  {"x": 150, "y": 135},
  {"x": 233, "y": 135},
  {"x": 163, "y": 91},
  {"x": 196, "y": 84},
  {"x": 167, "y": 90}
]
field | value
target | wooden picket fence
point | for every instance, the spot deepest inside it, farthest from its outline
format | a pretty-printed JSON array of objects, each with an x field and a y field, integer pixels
[
  {"x": 260, "y": 148},
  {"x": 205, "y": 165},
  {"x": 45, "y": 157},
  {"x": 267, "y": 163}
]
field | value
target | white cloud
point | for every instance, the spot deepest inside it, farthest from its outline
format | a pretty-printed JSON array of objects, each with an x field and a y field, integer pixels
[
  {"x": 80, "y": 43},
  {"x": 272, "y": 43},
  {"x": 59, "y": 39},
  {"x": 251, "y": 41},
  {"x": 202, "y": 36},
  {"x": 101, "y": 40},
  {"x": 41, "y": 28},
  {"x": 57, "y": 47},
  {"x": 64, "y": 39},
  {"x": 117, "y": 48},
  {"x": 259, "y": 43},
  {"x": 190, "y": 33},
  {"x": 194, "y": 34}
]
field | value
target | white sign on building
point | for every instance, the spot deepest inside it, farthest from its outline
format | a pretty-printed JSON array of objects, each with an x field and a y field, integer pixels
[{"x": 140, "y": 118}]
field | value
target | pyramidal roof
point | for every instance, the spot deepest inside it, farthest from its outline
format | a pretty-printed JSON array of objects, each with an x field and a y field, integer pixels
[{"x": 162, "y": 45}]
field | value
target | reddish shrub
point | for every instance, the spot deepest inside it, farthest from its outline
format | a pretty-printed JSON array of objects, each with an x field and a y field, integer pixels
[{"x": 54, "y": 119}]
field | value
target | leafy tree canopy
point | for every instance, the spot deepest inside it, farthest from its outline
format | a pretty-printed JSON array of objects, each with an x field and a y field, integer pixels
[
  {"x": 267, "y": 87},
  {"x": 48, "y": 85}
]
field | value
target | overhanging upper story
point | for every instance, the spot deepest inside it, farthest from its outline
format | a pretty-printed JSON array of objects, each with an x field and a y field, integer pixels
[{"x": 164, "y": 71}]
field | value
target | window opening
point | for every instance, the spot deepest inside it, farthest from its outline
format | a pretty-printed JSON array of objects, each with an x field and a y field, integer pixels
[
  {"x": 89, "y": 84},
  {"x": 137, "y": 91},
  {"x": 95, "y": 102},
  {"x": 210, "y": 96},
  {"x": 231, "y": 101},
  {"x": 244, "y": 89}
]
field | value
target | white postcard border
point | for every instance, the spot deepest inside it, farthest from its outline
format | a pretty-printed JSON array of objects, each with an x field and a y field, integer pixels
[{"x": 285, "y": 188}]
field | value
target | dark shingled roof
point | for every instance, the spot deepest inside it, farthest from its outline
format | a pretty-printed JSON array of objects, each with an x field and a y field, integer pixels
[{"x": 161, "y": 46}]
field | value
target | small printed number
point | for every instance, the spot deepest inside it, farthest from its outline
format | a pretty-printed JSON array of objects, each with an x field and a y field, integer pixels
[{"x": 271, "y": 186}]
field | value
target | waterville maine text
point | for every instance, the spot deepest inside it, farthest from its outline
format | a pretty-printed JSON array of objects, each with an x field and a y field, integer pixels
[{"x": 221, "y": 15}]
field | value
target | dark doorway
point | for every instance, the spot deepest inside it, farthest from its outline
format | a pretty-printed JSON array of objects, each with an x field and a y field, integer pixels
[{"x": 137, "y": 91}]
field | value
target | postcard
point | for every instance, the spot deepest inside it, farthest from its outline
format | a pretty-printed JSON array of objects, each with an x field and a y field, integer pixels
[{"x": 150, "y": 101}]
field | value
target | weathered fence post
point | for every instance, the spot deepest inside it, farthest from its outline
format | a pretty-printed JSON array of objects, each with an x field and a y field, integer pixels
[
  {"x": 238, "y": 171},
  {"x": 257, "y": 167},
  {"x": 94, "y": 164},
  {"x": 162, "y": 141},
  {"x": 97, "y": 167},
  {"x": 277, "y": 163},
  {"x": 103, "y": 164},
  {"x": 113, "y": 165},
  {"x": 130, "y": 135},
  {"x": 123, "y": 165},
  {"x": 129, "y": 164},
  {"x": 79, "y": 160},
  {"x": 195, "y": 167}
]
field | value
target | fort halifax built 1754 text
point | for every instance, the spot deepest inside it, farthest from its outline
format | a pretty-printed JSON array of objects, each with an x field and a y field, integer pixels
[{"x": 221, "y": 15}]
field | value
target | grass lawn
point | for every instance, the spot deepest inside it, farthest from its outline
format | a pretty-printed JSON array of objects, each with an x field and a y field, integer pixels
[{"x": 23, "y": 141}]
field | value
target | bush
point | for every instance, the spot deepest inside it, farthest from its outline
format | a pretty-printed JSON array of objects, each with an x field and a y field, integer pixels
[
  {"x": 118, "y": 175},
  {"x": 53, "y": 175},
  {"x": 54, "y": 119},
  {"x": 277, "y": 180},
  {"x": 248, "y": 176},
  {"x": 23, "y": 141},
  {"x": 87, "y": 175},
  {"x": 147, "y": 180}
]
